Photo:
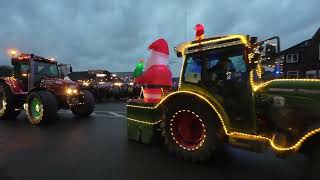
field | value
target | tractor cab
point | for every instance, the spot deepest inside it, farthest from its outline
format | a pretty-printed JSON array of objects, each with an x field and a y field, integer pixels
[
  {"x": 30, "y": 69},
  {"x": 219, "y": 67},
  {"x": 224, "y": 73}
]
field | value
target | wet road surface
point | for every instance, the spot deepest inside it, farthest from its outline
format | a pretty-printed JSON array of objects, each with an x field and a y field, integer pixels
[{"x": 97, "y": 148}]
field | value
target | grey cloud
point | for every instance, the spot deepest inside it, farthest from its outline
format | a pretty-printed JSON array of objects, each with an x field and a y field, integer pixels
[{"x": 114, "y": 34}]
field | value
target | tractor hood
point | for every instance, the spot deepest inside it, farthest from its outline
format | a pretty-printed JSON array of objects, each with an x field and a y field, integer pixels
[{"x": 58, "y": 81}]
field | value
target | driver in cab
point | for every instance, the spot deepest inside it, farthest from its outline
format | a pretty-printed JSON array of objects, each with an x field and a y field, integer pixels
[{"x": 222, "y": 70}]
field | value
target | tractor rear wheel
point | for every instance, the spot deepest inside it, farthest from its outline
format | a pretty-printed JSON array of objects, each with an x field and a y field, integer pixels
[
  {"x": 8, "y": 103},
  {"x": 191, "y": 131},
  {"x": 116, "y": 92},
  {"x": 42, "y": 107},
  {"x": 87, "y": 107}
]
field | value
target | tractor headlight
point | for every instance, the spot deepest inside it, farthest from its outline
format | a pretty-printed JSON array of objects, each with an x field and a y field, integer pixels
[
  {"x": 86, "y": 83},
  {"x": 71, "y": 91}
]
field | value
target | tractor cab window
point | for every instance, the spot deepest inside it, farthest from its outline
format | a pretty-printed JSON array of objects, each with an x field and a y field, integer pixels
[
  {"x": 226, "y": 66},
  {"x": 193, "y": 70},
  {"x": 19, "y": 68},
  {"x": 46, "y": 69},
  {"x": 214, "y": 67}
]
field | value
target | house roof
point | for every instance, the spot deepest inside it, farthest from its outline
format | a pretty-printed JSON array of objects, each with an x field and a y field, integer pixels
[
  {"x": 303, "y": 44},
  {"x": 316, "y": 35}
]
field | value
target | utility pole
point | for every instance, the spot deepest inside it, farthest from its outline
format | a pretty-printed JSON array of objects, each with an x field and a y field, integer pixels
[{"x": 185, "y": 26}]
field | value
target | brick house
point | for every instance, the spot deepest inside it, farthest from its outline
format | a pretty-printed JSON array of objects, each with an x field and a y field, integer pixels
[{"x": 302, "y": 60}]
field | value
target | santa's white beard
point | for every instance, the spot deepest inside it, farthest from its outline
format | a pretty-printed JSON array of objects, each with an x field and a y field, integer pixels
[{"x": 157, "y": 58}]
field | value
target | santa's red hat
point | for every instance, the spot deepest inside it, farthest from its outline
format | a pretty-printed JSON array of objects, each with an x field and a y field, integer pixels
[
  {"x": 160, "y": 46},
  {"x": 159, "y": 54}
]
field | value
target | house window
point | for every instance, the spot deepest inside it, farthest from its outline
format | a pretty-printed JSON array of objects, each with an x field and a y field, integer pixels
[
  {"x": 311, "y": 74},
  {"x": 292, "y": 58},
  {"x": 292, "y": 74}
]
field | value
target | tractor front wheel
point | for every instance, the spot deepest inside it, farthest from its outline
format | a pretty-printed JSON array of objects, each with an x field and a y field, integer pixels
[
  {"x": 191, "y": 131},
  {"x": 86, "y": 107},
  {"x": 8, "y": 103},
  {"x": 42, "y": 107}
]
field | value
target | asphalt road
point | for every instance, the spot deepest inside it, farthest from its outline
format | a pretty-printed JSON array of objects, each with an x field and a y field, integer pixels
[{"x": 97, "y": 148}]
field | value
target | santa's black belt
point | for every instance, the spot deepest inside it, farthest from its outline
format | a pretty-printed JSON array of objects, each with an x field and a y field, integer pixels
[{"x": 156, "y": 86}]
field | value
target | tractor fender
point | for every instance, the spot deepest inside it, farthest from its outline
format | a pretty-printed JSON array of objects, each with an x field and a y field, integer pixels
[
  {"x": 310, "y": 142},
  {"x": 210, "y": 102},
  {"x": 14, "y": 85}
]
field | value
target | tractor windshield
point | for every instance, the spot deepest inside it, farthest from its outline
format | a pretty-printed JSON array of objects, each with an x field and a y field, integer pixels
[
  {"x": 46, "y": 69},
  {"x": 216, "y": 65}
]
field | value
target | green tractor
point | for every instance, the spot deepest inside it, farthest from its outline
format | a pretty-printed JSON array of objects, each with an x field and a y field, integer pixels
[
  {"x": 39, "y": 88},
  {"x": 231, "y": 92}
]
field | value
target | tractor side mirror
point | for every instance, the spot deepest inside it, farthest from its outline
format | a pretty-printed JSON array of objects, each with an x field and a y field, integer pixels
[{"x": 253, "y": 40}]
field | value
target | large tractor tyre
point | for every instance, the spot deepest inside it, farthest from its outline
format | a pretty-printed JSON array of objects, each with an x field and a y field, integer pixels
[
  {"x": 130, "y": 92},
  {"x": 42, "y": 107},
  {"x": 8, "y": 103},
  {"x": 116, "y": 92},
  {"x": 100, "y": 95},
  {"x": 86, "y": 108},
  {"x": 191, "y": 131}
]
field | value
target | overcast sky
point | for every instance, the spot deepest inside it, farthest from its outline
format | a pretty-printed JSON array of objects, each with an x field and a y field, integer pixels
[{"x": 113, "y": 34}]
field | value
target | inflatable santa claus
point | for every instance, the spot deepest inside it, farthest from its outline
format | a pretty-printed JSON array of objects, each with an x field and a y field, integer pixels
[{"x": 157, "y": 77}]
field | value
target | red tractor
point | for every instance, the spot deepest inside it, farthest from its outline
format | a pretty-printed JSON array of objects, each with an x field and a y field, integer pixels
[{"x": 37, "y": 86}]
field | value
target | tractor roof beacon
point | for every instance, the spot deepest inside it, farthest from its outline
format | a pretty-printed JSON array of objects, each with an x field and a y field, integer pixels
[
  {"x": 38, "y": 87},
  {"x": 231, "y": 91}
]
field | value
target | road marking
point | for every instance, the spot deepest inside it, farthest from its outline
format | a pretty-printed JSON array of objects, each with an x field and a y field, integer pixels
[
  {"x": 113, "y": 114},
  {"x": 116, "y": 114},
  {"x": 102, "y": 115},
  {"x": 65, "y": 111},
  {"x": 121, "y": 112}
]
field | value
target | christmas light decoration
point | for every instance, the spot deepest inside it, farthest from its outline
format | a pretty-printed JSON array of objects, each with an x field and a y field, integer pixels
[
  {"x": 276, "y": 147},
  {"x": 177, "y": 142},
  {"x": 144, "y": 122}
]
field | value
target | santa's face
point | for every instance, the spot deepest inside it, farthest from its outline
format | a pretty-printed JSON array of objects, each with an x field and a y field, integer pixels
[{"x": 157, "y": 58}]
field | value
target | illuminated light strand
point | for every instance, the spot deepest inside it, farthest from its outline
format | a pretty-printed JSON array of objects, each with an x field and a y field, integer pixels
[
  {"x": 144, "y": 122},
  {"x": 262, "y": 85},
  {"x": 177, "y": 142},
  {"x": 259, "y": 71},
  {"x": 271, "y": 141},
  {"x": 181, "y": 71},
  {"x": 162, "y": 93},
  {"x": 185, "y": 92}
]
